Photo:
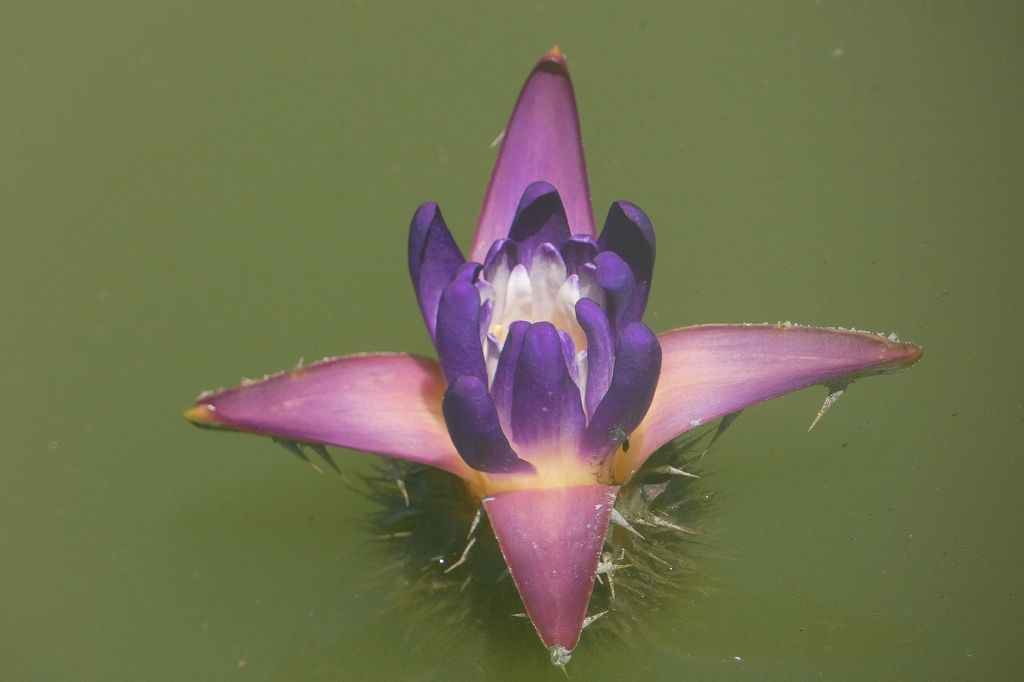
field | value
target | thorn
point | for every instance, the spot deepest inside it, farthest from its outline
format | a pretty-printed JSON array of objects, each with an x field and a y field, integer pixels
[
  {"x": 320, "y": 450},
  {"x": 295, "y": 448},
  {"x": 608, "y": 566},
  {"x": 618, "y": 519},
  {"x": 475, "y": 522},
  {"x": 396, "y": 535},
  {"x": 462, "y": 557},
  {"x": 607, "y": 563},
  {"x": 724, "y": 424},
  {"x": 661, "y": 561},
  {"x": 292, "y": 447},
  {"x": 652, "y": 491},
  {"x": 590, "y": 619},
  {"x": 656, "y": 521},
  {"x": 397, "y": 475},
  {"x": 672, "y": 471},
  {"x": 836, "y": 390}
]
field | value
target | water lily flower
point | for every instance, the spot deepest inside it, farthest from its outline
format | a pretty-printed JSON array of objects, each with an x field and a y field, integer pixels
[{"x": 549, "y": 391}]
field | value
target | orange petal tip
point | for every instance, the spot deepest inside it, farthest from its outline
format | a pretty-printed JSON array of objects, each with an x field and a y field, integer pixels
[
  {"x": 202, "y": 414},
  {"x": 554, "y": 55}
]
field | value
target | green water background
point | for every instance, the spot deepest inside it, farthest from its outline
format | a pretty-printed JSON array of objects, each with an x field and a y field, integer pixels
[{"x": 194, "y": 192}]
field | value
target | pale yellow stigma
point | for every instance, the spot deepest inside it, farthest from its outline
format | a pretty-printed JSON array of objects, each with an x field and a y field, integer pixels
[{"x": 499, "y": 331}]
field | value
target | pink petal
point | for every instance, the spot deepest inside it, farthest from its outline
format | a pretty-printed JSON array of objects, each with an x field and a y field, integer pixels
[
  {"x": 551, "y": 539},
  {"x": 542, "y": 143},
  {"x": 388, "y": 404},
  {"x": 711, "y": 370}
]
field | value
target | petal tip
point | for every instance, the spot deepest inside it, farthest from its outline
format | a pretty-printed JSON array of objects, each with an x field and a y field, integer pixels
[
  {"x": 202, "y": 414},
  {"x": 425, "y": 213},
  {"x": 908, "y": 353},
  {"x": 896, "y": 355},
  {"x": 554, "y": 55},
  {"x": 560, "y": 656},
  {"x": 536, "y": 191}
]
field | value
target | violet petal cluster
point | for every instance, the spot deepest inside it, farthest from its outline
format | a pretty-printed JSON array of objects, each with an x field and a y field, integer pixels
[{"x": 541, "y": 345}]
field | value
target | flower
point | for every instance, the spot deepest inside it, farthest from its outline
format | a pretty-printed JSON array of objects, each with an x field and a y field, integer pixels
[{"x": 550, "y": 392}]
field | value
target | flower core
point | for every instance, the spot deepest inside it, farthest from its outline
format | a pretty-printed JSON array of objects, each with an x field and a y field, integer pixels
[{"x": 548, "y": 365}]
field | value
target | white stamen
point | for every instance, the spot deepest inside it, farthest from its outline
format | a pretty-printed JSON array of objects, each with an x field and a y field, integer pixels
[
  {"x": 497, "y": 275},
  {"x": 547, "y": 275},
  {"x": 544, "y": 293},
  {"x": 492, "y": 349},
  {"x": 581, "y": 363},
  {"x": 589, "y": 288},
  {"x": 518, "y": 298}
]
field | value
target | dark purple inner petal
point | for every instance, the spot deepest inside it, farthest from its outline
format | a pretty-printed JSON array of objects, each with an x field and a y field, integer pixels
[
  {"x": 434, "y": 259},
  {"x": 546, "y": 405},
  {"x": 458, "y": 332},
  {"x": 628, "y": 232},
  {"x": 616, "y": 277},
  {"x": 577, "y": 251},
  {"x": 467, "y": 272},
  {"x": 600, "y": 350},
  {"x": 613, "y": 273},
  {"x": 637, "y": 368},
  {"x": 569, "y": 356},
  {"x": 540, "y": 218},
  {"x": 501, "y": 254},
  {"x": 505, "y": 374},
  {"x": 473, "y": 425}
]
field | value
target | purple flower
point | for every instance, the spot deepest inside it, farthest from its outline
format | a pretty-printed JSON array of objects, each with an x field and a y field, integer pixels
[{"x": 550, "y": 392}]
